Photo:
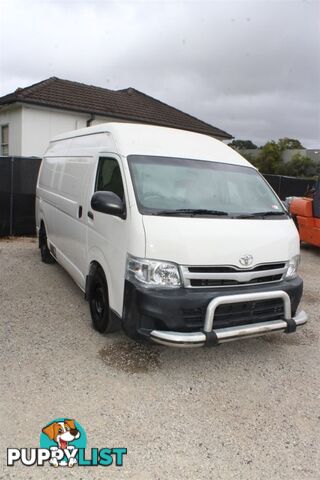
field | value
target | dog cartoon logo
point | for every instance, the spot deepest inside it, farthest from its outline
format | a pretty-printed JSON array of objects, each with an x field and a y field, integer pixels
[
  {"x": 62, "y": 432},
  {"x": 63, "y": 442}
]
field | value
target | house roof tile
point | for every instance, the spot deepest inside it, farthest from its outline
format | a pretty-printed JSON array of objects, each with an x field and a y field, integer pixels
[{"x": 129, "y": 104}]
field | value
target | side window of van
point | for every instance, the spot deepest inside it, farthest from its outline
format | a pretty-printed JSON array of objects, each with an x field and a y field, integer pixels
[{"x": 109, "y": 177}]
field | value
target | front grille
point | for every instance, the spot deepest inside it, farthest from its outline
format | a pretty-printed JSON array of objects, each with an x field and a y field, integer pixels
[
  {"x": 230, "y": 276},
  {"x": 230, "y": 315},
  {"x": 223, "y": 283},
  {"x": 230, "y": 269}
]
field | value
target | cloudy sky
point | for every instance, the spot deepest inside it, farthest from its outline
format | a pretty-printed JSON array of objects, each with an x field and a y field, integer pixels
[{"x": 251, "y": 68}]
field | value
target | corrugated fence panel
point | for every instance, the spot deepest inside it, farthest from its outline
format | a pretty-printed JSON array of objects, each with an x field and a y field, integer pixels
[
  {"x": 25, "y": 174},
  {"x": 18, "y": 179},
  {"x": 5, "y": 195},
  {"x": 289, "y": 186}
]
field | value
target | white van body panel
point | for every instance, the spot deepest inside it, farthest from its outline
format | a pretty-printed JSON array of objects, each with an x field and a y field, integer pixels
[
  {"x": 217, "y": 241},
  {"x": 140, "y": 139},
  {"x": 62, "y": 187},
  {"x": 109, "y": 238}
]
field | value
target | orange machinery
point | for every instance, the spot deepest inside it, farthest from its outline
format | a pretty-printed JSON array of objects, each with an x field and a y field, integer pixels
[{"x": 306, "y": 213}]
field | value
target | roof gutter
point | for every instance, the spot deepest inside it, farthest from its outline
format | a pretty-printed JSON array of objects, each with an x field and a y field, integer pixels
[{"x": 91, "y": 119}]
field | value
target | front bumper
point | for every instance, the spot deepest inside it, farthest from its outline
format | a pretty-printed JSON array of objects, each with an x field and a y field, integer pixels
[
  {"x": 210, "y": 336},
  {"x": 160, "y": 315}
]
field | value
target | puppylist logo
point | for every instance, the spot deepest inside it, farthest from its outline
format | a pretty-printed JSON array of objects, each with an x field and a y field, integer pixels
[{"x": 63, "y": 443}]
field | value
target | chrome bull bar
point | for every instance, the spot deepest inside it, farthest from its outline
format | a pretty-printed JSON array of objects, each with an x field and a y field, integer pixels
[{"x": 209, "y": 336}]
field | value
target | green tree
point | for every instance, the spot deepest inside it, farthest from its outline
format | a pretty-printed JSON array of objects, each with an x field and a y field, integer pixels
[
  {"x": 302, "y": 166},
  {"x": 269, "y": 160},
  {"x": 242, "y": 145},
  {"x": 289, "y": 144}
]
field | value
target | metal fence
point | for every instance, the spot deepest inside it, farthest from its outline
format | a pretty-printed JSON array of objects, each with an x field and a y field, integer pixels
[{"x": 18, "y": 178}]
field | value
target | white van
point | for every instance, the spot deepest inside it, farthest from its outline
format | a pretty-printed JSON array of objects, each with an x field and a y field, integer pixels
[{"x": 169, "y": 233}]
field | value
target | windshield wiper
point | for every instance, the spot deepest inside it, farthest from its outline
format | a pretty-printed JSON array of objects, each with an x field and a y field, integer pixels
[
  {"x": 271, "y": 213},
  {"x": 191, "y": 211}
]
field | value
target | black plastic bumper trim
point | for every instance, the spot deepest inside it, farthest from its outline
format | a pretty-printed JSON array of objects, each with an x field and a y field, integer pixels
[
  {"x": 291, "y": 326},
  {"x": 211, "y": 339}
]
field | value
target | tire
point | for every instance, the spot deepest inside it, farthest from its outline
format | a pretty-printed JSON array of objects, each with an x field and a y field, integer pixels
[
  {"x": 46, "y": 256},
  {"x": 102, "y": 320}
]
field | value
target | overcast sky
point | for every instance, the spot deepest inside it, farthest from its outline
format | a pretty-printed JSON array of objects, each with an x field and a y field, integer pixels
[{"x": 251, "y": 68}]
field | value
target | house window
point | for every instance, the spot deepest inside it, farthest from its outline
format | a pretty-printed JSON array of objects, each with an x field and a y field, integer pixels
[{"x": 4, "y": 138}]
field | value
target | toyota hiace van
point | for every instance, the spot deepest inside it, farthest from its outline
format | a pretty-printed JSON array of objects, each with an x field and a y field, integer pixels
[{"x": 169, "y": 233}]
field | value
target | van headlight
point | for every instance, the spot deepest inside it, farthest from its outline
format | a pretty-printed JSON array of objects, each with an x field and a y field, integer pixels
[
  {"x": 153, "y": 273},
  {"x": 292, "y": 270}
]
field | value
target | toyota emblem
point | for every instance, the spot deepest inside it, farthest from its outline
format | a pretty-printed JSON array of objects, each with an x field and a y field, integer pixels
[{"x": 246, "y": 260}]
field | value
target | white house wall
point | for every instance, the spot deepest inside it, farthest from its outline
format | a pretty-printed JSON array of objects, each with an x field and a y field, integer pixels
[
  {"x": 13, "y": 118},
  {"x": 40, "y": 125}
]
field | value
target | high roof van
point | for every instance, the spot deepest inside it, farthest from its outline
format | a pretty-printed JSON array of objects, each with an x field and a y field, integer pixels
[{"x": 170, "y": 234}]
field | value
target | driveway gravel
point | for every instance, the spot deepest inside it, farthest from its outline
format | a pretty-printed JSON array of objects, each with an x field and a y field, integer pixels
[{"x": 245, "y": 410}]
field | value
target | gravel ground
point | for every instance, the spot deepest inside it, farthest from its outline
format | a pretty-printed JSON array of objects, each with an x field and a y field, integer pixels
[{"x": 245, "y": 410}]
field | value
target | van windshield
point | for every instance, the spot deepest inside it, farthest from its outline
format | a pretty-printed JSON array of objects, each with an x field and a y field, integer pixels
[{"x": 187, "y": 187}]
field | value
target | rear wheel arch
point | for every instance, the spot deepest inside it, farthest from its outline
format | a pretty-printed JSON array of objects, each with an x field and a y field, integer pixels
[
  {"x": 46, "y": 255},
  {"x": 42, "y": 227},
  {"x": 42, "y": 230}
]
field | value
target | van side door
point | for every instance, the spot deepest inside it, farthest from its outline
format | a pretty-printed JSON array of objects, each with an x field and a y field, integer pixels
[{"x": 70, "y": 219}]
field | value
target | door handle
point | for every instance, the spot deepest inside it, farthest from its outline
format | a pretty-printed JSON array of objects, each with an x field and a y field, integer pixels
[{"x": 90, "y": 215}]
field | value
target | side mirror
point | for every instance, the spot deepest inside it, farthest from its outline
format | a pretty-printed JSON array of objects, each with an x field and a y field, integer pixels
[{"x": 108, "y": 202}]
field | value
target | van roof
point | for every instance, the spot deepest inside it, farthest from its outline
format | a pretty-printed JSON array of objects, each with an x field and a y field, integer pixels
[{"x": 143, "y": 139}]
